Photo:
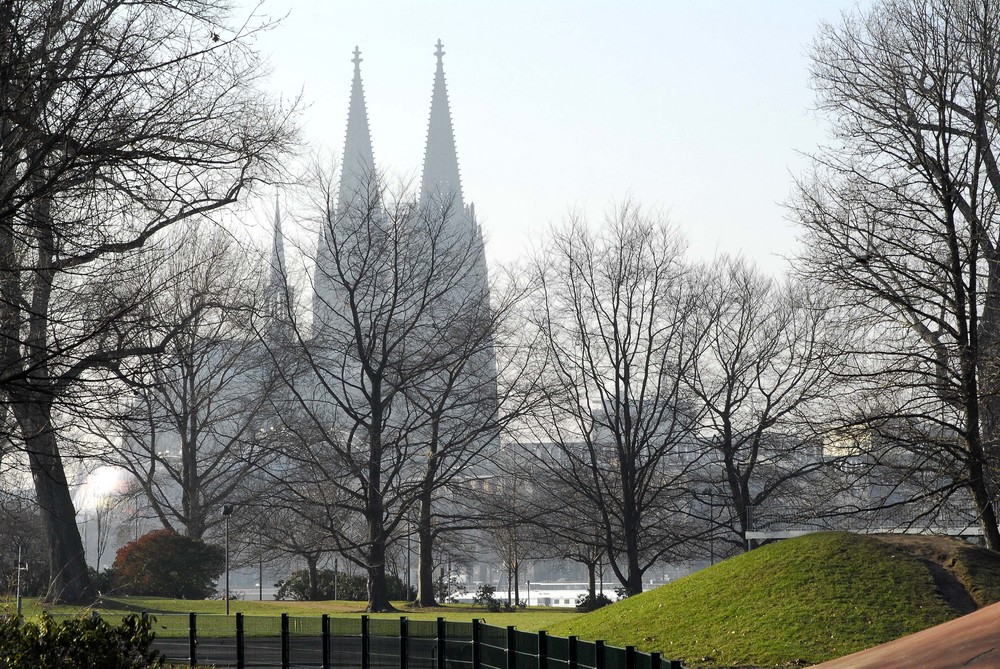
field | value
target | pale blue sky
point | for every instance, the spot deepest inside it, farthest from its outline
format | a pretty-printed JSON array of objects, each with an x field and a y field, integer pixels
[{"x": 695, "y": 108}]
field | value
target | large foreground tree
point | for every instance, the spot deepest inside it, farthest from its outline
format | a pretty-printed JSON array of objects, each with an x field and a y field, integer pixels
[
  {"x": 901, "y": 219},
  {"x": 117, "y": 119}
]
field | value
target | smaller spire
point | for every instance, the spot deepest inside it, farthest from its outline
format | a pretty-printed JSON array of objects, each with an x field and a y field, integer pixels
[
  {"x": 439, "y": 52},
  {"x": 277, "y": 247},
  {"x": 357, "y": 59}
]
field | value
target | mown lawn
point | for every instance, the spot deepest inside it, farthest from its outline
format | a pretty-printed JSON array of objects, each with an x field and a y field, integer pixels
[
  {"x": 798, "y": 601},
  {"x": 532, "y": 619}
]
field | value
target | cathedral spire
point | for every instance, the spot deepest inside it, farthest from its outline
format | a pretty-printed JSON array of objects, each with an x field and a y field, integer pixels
[
  {"x": 277, "y": 282},
  {"x": 441, "y": 177},
  {"x": 358, "y": 169},
  {"x": 278, "y": 293}
]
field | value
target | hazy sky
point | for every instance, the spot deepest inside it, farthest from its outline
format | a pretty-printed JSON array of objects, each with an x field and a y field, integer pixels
[{"x": 695, "y": 108}]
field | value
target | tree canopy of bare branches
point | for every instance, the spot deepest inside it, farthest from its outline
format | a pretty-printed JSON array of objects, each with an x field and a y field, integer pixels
[
  {"x": 900, "y": 219},
  {"x": 117, "y": 119},
  {"x": 611, "y": 306}
]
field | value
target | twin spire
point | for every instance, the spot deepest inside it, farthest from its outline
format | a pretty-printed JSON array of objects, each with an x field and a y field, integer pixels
[{"x": 440, "y": 173}]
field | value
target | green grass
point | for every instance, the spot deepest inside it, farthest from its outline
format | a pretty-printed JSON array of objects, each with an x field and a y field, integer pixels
[
  {"x": 212, "y": 612},
  {"x": 801, "y": 600}
]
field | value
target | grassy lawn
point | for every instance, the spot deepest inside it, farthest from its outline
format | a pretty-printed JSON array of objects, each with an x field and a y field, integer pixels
[
  {"x": 532, "y": 619},
  {"x": 792, "y": 603},
  {"x": 798, "y": 601}
]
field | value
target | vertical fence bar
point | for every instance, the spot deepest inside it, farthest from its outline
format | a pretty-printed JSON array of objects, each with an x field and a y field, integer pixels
[
  {"x": 629, "y": 657},
  {"x": 240, "y": 659},
  {"x": 511, "y": 648},
  {"x": 654, "y": 660},
  {"x": 365, "y": 644},
  {"x": 543, "y": 650},
  {"x": 285, "y": 643},
  {"x": 404, "y": 634},
  {"x": 192, "y": 639},
  {"x": 676, "y": 664},
  {"x": 325, "y": 626},
  {"x": 440, "y": 643},
  {"x": 573, "y": 659},
  {"x": 599, "y": 659},
  {"x": 477, "y": 644}
]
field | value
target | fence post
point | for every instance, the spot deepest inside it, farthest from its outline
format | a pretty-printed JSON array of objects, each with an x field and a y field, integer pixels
[
  {"x": 240, "y": 660},
  {"x": 285, "y": 649},
  {"x": 572, "y": 660},
  {"x": 599, "y": 659},
  {"x": 365, "y": 659},
  {"x": 404, "y": 633},
  {"x": 676, "y": 664},
  {"x": 629, "y": 657},
  {"x": 477, "y": 644},
  {"x": 654, "y": 660},
  {"x": 440, "y": 643},
  {"x": 511, "y": 648},
  {"x": 325, "y": 626},
  {"x": 543, "y": 650},
  {"x": 192, "y": 639}
]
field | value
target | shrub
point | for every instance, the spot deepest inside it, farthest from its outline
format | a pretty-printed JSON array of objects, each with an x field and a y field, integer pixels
[
  {"x": 352, "y": 588},
  {"x": 586, "y": 603},
  {"x": 485, "y": 598},
  {"x": 166, "y": 564},
  {"x": 89, "y": 642}
]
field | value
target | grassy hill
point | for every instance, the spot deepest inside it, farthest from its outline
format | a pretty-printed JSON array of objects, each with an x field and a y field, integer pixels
[{"x": 801, "y": 601}]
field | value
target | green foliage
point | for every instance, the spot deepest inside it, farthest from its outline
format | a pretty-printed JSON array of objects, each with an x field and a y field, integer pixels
[
  {"x": 77, "y": 643},
  {"x": 486, "y": 598},
  {"x": 586, "y": 603},
  {"x": 166, "y": 564},
  {"x": 802, "y": 600},
  {"x": 102, "y": 581},
  {"x": 352, "y": 588}
]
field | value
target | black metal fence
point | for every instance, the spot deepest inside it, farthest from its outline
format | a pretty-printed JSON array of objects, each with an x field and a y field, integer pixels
[{"x": 369, "y": 643}]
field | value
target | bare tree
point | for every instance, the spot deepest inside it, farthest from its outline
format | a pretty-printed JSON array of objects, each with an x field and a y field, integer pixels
[
  {"x": 117, "y": 119},
  {"x": 393, "y": 394},
  {"x": 194, "y": 431},
  {"x": 899, "y": 220},
  {"x": 612, "y": 304},
  {"x": 759, "y": 368}
]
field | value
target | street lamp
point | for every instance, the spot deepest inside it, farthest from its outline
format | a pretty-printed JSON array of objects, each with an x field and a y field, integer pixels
[
  {"x": 19, "y": 570},
  {"x": 227, "y": 510}
]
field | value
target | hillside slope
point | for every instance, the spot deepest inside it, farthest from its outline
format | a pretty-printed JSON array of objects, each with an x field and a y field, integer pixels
[{"x": 801, "y": 601}]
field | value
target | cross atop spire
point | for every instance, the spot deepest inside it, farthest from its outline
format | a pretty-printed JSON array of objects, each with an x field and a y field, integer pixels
[
  {"x": 357, "y": 59},
  {"x": 439, "y": 51}
]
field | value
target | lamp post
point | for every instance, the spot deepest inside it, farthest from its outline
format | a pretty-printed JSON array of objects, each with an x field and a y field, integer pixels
[
  {"x": 19, "y": 570},
  {"x": 227, "y": 510}
]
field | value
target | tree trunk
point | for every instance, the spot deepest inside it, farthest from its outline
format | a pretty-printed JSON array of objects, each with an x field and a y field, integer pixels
[
  {"x": 311, "y": 561},
  {"x": 592, "y": 580},
  {"x": 425, "y": 561},
  {"x": 378, "y": 594},
  {"x": 69, "y": 581}
]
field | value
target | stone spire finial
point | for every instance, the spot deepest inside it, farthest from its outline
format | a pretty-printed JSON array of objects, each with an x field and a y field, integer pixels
[
  {"x": 439, "y": 51},
  {"x": 357, "y": 59}
]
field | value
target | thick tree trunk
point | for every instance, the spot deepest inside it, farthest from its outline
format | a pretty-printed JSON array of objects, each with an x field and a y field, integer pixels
[
  {"x": 378, "y": 594},
  {"x": 69, "y": 581},
  {"x": 592, "y": 580}
]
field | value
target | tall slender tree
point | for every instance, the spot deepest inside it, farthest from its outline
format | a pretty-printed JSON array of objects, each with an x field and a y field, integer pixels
[{"x": 612, "y": 306}]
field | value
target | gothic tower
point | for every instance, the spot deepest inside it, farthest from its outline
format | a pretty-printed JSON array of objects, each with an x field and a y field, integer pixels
[{"x": 357, "y": 199}]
